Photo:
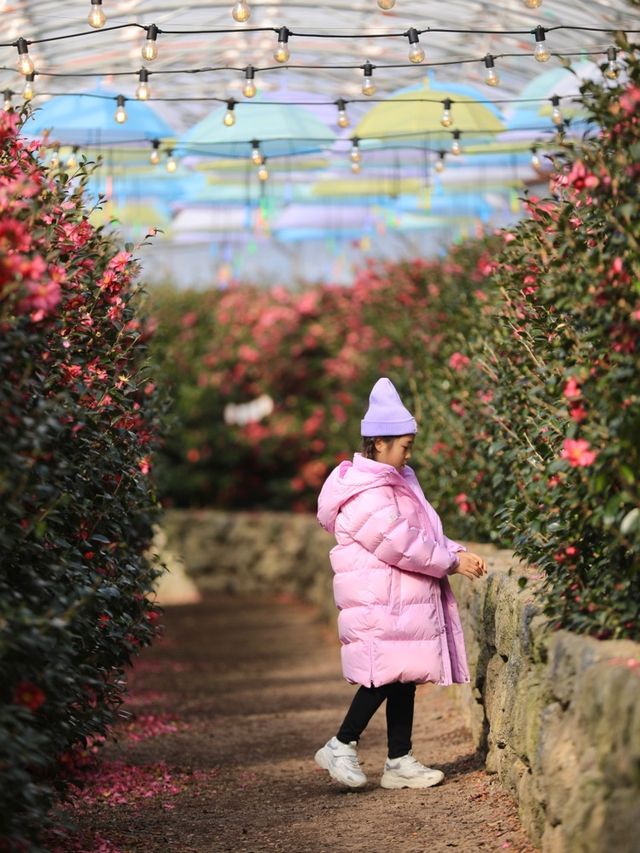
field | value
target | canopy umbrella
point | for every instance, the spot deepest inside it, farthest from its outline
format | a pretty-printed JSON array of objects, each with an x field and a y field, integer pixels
[
  {"x": 281, "y": 129},
  {"x": 417, "y": 111},
  {"x": 89, "y": 119}
]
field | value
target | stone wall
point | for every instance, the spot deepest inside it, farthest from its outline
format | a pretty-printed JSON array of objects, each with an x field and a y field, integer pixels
[{"x": 556, "y": 715}]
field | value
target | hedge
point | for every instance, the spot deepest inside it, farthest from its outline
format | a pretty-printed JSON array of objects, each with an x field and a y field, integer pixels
[{"x": 79, "y": 413}]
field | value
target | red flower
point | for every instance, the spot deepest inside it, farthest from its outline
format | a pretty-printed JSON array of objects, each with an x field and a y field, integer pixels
[
  {"x": 572, "y": 389},
  {"x": 28, "y": 694},
  {"x": 458, "y": 361},
  {"x": 577, "y": 452}
]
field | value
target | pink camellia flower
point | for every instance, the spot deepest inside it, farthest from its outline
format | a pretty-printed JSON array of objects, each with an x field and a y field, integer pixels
[
  {"x": 144, "y": 464},
  {"x": 458, "y": 361},
  {"x": 571, "y": 550},
  {"x": 630, "y": 100},
  {"x": 463, "y": 503},
  {"x": 577, "y": 413},
  {"x": 577, "y": 452},
  {"x": 457, "y": 408},
  {"x": 28, "y": 694},
  {"x": 572, "y": 389},
  {"x": 580, "y": 177}
]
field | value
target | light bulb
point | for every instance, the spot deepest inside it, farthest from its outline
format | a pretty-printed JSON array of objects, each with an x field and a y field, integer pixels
[
  {"x": 120, "y": 114},
  {"x": 355, "y": 152},
  {"x": 25, "y": 63},
  {"x": 142, "y": 90},
  {"x": 263, "y": 172},
  {"x": 491, "y": 78},
  {"x": 385, "y": 5},
  {"x": 456, "y": 148},
  {"x": 72, "y": 160},
  {"x": 416, "y": 53},
  {"x": 97, "y": 17},
  {"x": 229, "y": 117},
  {"x": 368, "y": 86},
  {"x": 7, "y": 100},
  {"x": 241, "y": 12},
  {"x": 28, "y": 91},
  {"x": 541, "y": 51},
  {"x": 556, "y": 115},
  {"x": 282, "y": 51},
  {"x": 343, "y": 118},
  {"x": 55, "y": 160},
  {"x": 256, "y": 155},
  {"x": 154, "y": 156},
  {"x": 355, "y": 167},
  {"x": 171, "y": 163},
  {"x": 439, "y": 167},
  {"x": 612, "y": 71},
  {"x": 535, "y": 160},
  {"x": 150, "y": 47},
  {"x": 446, "y": 120},
  {"x": 533, "y": 4},
  {"x": 249, "y": 89}
]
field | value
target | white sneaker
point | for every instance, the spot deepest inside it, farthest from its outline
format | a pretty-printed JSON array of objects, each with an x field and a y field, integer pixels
[
  {"x": 407, "y": 772},
  {"x": 341, "y": 760}
]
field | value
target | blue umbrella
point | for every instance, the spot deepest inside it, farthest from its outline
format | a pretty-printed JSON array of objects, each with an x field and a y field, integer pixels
[
  {"x": 281, "y": 129},
  {"x": 88, "y": 119}
]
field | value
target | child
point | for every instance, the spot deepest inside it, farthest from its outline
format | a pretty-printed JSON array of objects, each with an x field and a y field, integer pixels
[{"x": 398, "y": 621}]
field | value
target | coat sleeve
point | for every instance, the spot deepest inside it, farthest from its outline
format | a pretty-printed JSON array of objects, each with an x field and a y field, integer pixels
[{"x": 375, "y": 523}]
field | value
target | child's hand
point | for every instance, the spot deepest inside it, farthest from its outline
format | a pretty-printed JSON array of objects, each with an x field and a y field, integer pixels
[{"x": 471, "y": 565}]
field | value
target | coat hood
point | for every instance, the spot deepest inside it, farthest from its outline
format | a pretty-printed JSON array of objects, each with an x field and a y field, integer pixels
[{"x": 350, "y": 478}]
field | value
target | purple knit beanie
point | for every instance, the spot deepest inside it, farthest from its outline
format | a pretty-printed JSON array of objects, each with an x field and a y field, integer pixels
[{"x": 386, "y": 415}]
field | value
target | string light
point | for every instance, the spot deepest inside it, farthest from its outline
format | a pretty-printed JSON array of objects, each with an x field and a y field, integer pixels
[
  {"x": 386, "y": 5},
  {"x": 343, "y": 118},
  {"x": 7, "y": 100},
  {"x": 154, "y": 156},
  {"x": 416, "y": 53},
  {"x": 54, "y": 163},
  {"x": 355, "y": 167},
  {"x": 368, "y": 86},
  {"x": 282, "y": 51},
  {"x": 120, "y": 114},
  {"x": 541, "y": 51},
  {"x": 97, "y": 17},
  {"x": 25, "y": 63},
  {"x": 142, "y": 90},
  {"x": 533, "y": 4},
  {"x": 171, "y": 163},
  {"x": 556, "y": 115},
  {"x": 263, "y": 172},
  {"x": 72, "y": 159},
  {"x": 256, "y": 155},
  {"x": 150, "y": 47},
  {"x": 456, "y": 148},
  {"x": 241, "y": 12},
  {"x": 439, "y": 167},
  {"x": 355, "y": 155},
  {"x": 28, "y": 92},
  {"x": 612, "y": 71},
  {"x": 249, "y": 89},
  {"x": 491, "y": 78},
  {"x": 230, "y": 117},
  {"x": 535, "y": 160},
  {"x": 446, "y": 120}
]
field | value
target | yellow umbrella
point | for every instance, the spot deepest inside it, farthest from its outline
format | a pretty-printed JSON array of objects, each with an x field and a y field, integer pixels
[{"x": 418, "y": 110}]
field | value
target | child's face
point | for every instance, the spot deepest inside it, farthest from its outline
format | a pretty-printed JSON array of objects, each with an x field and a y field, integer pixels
[{"x": 396, "y": 452}]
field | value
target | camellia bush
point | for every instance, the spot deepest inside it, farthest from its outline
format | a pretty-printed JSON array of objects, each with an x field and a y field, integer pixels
[
  {"x": 315, "y": 355},
  {"x": 548, "y": 386},
  {"x": 79, "y": 423}
]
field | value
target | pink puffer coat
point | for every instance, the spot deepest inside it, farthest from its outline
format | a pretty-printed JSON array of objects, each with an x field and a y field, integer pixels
[{"x": 398, "y": 617}]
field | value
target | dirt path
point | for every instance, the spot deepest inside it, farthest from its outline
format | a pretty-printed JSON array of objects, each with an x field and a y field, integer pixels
[{"x": 229, "y": 709}]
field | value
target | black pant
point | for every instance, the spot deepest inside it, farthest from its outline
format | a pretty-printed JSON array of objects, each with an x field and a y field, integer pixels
[{"x": 400, "y": 697}]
